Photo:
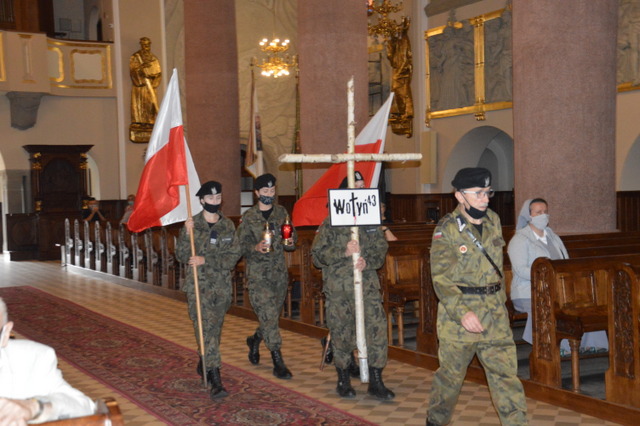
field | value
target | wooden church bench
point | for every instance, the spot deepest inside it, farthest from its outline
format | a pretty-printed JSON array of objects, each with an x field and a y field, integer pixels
[{"x": 568, "y": 298}]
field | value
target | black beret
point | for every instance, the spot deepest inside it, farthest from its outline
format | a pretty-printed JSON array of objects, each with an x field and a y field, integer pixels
[
  {"x": 472, "y": 177},
  {"x": 209, "y": 188},
  {"x": 266, "y": 180},
  {"x": 356, "y": 177}
]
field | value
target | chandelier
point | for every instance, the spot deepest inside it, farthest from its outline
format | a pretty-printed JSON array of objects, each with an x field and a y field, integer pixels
[
  {"x": 385, "y": 27},
  {"x": 276, "y": 64}
]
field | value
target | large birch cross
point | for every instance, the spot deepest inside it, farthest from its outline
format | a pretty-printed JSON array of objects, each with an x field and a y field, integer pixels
[{"x": 351, "y": 158}]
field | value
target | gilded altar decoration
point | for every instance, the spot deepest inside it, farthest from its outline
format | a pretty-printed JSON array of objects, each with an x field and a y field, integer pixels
[
  {"x": 469, "y": 66},
  {"x": 145, "y": 73}
]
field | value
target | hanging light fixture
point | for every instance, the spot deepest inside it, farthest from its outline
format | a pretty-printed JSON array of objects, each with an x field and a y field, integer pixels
[
  {"x": 385, "y": 27},
  {"x": 277, "y": 63}
]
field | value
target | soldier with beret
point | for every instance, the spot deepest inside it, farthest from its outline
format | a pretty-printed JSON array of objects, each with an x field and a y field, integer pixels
[
  {"x": 332, "y": 251},
  {"x": 267, "y": 272},
  {"x": 466, "y": 270},
  {"x": 217, "y": 252}
]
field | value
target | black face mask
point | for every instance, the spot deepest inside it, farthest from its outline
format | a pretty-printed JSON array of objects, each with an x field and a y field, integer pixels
[
  {"x": 475, "y": 213},
  {"x": 472, "y": 211},
  {"x": 267, "y": 201},
  {"x": 211, "y": 208}
]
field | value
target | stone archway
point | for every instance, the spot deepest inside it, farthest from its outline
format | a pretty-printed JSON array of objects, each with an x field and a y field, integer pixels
[
  {"x": 630, "y": 177},
  {"x": 484, "y": 146}
]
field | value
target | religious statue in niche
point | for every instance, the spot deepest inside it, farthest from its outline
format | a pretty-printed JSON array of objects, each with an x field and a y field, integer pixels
[
  {"x": 498, "y": 59},
  {"x": 451, "y": 63},
  {"x": 145, "y": 72},
  {"x": 401, "y": 60}
]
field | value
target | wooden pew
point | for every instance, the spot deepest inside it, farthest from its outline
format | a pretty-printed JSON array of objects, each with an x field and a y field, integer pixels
[
  {"x": 110, "y": 249},
  {"x": 569, "y": 298},
  {"x": 88, "y": 245},
  {"x": 107, "y": 414},
  {"x": 124, "y": 252},
  {"x": 622, "y": 379},
  {"x": 312, "y": 302},
  {"x": 99, "y": 247},
  {"x": 400, "y": 280},
  {"x": 67, "y": 249},
  {"x": 77, "y": 244}
]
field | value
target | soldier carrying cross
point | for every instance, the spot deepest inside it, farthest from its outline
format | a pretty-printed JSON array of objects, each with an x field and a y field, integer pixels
[{"x": 355, "y": 258}]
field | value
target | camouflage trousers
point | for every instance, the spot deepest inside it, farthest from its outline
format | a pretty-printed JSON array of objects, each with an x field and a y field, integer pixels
[
  {"x": 267, "y": 299},
  {"x": 214, "y": 305},
  {"x": 341, "y": 320},
  {"x": 500, "y": 365}
]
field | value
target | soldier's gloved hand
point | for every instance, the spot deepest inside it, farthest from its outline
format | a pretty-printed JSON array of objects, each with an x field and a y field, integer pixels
[
  {"x": 196, "y": 260},
  {"x": 352, "y": 247},
  {"x": 471, "y": 323},
  {"x": 361, "y": 264},
  {"x": 188, "y": 224}
]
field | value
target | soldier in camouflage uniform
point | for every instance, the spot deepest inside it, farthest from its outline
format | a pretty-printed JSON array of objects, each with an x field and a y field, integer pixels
[
  {"x": 217, "y": 253},
  {"x": 266, "y": 270},
  {"x": 472, "y": 317},
  {"x": 332, "y": 251}
]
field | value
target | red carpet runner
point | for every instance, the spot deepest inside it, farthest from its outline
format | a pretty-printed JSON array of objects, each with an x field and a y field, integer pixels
[{"x": 156, "y": 374}]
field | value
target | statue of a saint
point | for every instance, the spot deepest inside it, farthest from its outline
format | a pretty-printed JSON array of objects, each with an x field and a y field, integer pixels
[
  {"x": 145, "y": 72},
  {"x": 401, "y": 60}
]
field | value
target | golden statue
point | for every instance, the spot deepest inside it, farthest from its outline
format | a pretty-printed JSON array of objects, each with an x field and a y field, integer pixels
[
  {"x": 145, "y": 72},
  {"x": 401, "y": 60}
]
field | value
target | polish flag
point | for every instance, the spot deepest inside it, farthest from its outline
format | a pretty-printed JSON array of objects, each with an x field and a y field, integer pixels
[
  {"x": 311, "y": 208},
  {"x": 161, "y": 197}
]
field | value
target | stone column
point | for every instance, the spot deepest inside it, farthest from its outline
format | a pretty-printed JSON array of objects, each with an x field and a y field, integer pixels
[
  {"x": 564, "y": 96},
  {"x": 332, "y": 47},
  {"x": 211, "y": 76}
]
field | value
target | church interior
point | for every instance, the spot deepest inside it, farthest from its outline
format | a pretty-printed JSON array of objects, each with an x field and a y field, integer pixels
[{"x": 543, "y": 94}]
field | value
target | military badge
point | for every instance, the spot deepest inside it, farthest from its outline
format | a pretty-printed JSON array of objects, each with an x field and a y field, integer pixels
[{"x": 463, "y": 249}]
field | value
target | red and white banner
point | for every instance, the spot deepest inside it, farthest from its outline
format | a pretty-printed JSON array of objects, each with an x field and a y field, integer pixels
[
  {"x": 161, "y": 198},
  {"x": 311, "y": 208}
]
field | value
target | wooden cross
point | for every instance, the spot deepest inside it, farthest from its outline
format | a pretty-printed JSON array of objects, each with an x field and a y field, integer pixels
[{"x": 351, "y": 158}]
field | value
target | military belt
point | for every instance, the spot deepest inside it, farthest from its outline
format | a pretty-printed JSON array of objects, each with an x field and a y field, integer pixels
[{"x": 489, "y": 289}]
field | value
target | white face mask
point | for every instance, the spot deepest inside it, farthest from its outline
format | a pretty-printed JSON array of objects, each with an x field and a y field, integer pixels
[{"x": 541, "y": 221}]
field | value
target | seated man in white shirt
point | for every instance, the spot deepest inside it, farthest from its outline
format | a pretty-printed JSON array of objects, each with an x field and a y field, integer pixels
[{"x": 32, "y": 389}]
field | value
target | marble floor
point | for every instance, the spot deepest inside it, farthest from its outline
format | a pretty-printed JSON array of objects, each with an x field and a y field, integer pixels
[{"x": 168, "y": 318}]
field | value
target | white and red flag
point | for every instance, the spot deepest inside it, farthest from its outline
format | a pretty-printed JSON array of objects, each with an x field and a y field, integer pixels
[
  {"x": 311, "y": 208},
  {"x": 161, "y": 197}
]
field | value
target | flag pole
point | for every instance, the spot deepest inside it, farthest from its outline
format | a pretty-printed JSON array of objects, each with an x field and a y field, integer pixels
[
  {"x": 357, "y": 274},
  {"x": 196, "y": 288}
]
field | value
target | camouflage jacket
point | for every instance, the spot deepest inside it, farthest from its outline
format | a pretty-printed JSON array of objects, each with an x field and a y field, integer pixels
[
  {"x": 249, "y": 234},
  {"x": 220, "y": 250},
  {"x": 328, "y": 250},
  {"x": 457, "y": 261}
]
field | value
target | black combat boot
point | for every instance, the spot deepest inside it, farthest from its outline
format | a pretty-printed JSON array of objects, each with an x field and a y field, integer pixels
[
  {"x": 217, "y": 390},
  {"x": 344, "y": 388},
  {"x": 354, "y": 369},
  {"x": 377, "y": 387},
  {"x": 430, "y": 423},
  {"x": 199, "y": 369},
  {"x": 279, "y": 369},
  {"x": 254, "y": 348},
  {"x": 328, "y": 357}
]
